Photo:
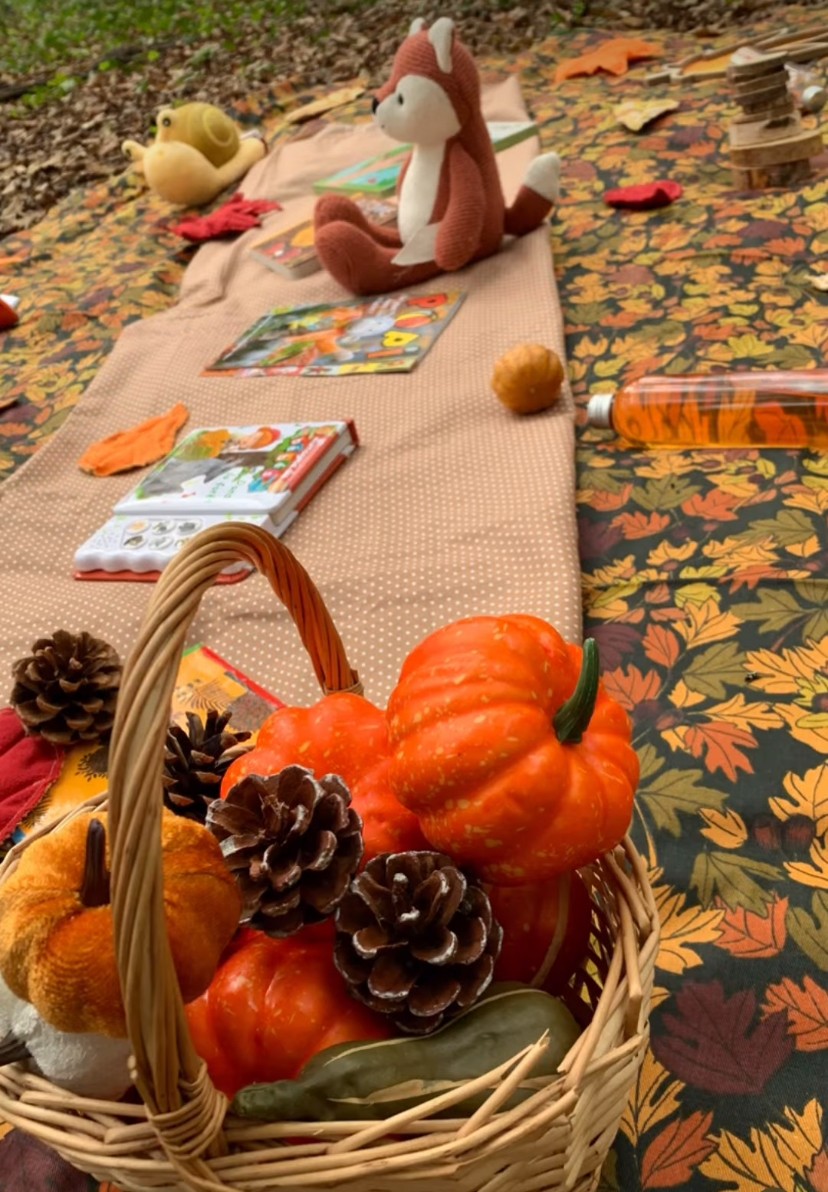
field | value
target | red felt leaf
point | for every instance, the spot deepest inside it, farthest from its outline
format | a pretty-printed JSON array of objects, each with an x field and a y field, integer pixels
[
  {"x": 233, "y": 217},
  {"x": 28, "y": 767},
  {"x": 713, "y": 1043},
  {"x": 646, "y": 197},
  {"x": 674, "y": 1153}
]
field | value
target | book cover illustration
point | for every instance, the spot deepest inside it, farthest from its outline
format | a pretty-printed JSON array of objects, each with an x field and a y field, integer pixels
[
  {"x": 380, "y": 175},
  {"x": 205, "y": 680},
  {"x": 291, "y": 252},
  {"x": 391, "y": 333},
  {"x": 235, "y": 469}
]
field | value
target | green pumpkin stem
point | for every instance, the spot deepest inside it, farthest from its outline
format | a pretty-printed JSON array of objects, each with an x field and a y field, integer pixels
[
  {"x": 95, "y": 888},
  {"x": 573, "y": 717}
]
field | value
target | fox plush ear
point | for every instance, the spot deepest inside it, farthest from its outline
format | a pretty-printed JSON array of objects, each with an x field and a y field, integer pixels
[
  {"x": 417, "y": 26},
  {"x": 441, "y": 36}
]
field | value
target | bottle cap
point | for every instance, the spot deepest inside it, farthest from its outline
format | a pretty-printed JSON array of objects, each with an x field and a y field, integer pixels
[
  {"x": 814, "y": 98},
  {"x": 599, "y": 409}
]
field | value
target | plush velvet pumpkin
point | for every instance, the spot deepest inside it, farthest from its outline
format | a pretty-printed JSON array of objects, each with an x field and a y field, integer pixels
[
  {"x": 57, "y": 944},
  {"x": 342, "y": 734},
  {"x": 528, "y": 378},
  {"x": 507, "y": 748}
]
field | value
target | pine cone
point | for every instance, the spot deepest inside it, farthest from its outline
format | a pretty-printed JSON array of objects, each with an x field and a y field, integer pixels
[
  {"x": 416, "y": 940},
  {"x": 195, "y": 761},
  {"x": 293, "y": 843},
  {"x": 66, "y": 689}
]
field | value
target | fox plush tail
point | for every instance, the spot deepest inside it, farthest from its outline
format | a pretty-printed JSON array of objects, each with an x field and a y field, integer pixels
[{"x": 537, "y": 196}]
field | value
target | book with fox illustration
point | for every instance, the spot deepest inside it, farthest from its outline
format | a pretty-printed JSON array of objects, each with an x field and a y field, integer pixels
[
  {"x": 262, "y": 475},
  {"x": 391, "y": 333},
  {"x": 380, "y": 175}
]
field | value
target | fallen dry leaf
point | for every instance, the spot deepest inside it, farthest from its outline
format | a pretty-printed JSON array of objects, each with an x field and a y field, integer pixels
[{"x": 637, "y": 114}]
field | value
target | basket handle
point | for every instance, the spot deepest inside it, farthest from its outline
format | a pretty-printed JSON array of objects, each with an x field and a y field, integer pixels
[{"x": 181, "y": 1101}]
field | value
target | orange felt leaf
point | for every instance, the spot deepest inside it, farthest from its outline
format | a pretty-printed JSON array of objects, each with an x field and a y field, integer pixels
[
  {"x": 807, "y": 1010},
  {"x": 746, "y": 933},
  {"x": 720, "y": 744},
  {"x": 613, "y": 56},
  {"x": 137, "y": 447},
  {"x": 674, "y": 1153},
  {"x": 661, "y": 645}
]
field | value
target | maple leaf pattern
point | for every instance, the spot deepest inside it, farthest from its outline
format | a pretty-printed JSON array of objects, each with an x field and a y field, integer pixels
[
  {"x": 671, "y": 1157},
  {"x": 713, "y": 1043},
  {"x": 807, "y": 1009},
  {"x": 774, "y": 1159},
  {"x": 749, "y": 934}
]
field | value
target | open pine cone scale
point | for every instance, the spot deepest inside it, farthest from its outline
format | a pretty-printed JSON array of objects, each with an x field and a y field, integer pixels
[
  {"x": 416, "y": 939},
  {"x": 292, "y": 841}
]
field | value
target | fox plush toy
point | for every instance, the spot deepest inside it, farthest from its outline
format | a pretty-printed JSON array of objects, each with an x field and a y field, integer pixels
[{"x": 451, "y": 209}]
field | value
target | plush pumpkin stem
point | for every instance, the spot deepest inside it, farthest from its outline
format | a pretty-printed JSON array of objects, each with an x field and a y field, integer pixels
[
  {"x": 12, "y": 1050},
  {"x": 95, "y": 888},
  {"x": 573, "y": 717}
]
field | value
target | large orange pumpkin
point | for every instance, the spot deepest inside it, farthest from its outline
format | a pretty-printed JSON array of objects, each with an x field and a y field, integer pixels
[
  {"x": 546, "y": 929},
  {"x": 342, "y": 734},
  {"x": 57, "y": 941},
  {"x": 507, "y": 748}
]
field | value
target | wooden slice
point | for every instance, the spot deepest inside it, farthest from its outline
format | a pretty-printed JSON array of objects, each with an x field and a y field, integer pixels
[
  {"x": 746, "y": 130},
  {"x": 757, "y": 68},
  {"x": 805, "y": 144}
]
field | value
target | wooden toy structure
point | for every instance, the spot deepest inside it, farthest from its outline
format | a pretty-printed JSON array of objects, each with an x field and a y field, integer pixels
[{"x": 768, "y": 143}]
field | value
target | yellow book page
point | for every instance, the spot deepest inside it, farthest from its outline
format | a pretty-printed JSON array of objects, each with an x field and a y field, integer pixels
[{"x": 204, "y": 681}]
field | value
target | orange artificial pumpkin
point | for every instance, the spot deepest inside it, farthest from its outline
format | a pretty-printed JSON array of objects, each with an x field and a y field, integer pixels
[
  {"x": 57, "y": 942},
  {"x": 546, "y": 931},
  {"x": 528, "y": 378},
  {"x": 342, "y": 734},
  {"x": 509, "y": 751},
  {"x": 272, "y": 1005}
]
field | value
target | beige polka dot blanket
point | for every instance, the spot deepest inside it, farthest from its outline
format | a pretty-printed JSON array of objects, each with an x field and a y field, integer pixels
[{"x": 450, "y": 506}]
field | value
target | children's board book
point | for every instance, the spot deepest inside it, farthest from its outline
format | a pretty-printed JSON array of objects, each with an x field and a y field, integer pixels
[
  {"x": 262, "y": 475},
  {"x": 205, "y": 680},
  {"x": 391, "y": 333},
  {"x": 290, "y": 251},
  {"x": 379, "y": 175}
]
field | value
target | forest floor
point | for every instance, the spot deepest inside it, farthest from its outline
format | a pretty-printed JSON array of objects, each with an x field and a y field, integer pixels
[{"x": 77, "y": 77}]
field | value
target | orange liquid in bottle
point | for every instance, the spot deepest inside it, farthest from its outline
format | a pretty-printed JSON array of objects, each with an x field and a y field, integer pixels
[{"x": 747, "y": 409}]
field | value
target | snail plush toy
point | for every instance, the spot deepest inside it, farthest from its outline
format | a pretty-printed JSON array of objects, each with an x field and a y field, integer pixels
[{"x": 198, "y": 152}]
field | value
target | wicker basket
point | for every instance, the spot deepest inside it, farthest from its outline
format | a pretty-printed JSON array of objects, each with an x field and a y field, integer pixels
[{"x": 181, "y": 1137}]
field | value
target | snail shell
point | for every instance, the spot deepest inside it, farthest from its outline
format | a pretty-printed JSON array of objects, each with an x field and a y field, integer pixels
[{"x": 205, "y": 127}]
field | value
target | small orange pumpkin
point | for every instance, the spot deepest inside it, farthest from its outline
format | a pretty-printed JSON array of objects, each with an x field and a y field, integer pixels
[
  {"x": 528, "y": 378},
  {"x": 57, "y": 941}
]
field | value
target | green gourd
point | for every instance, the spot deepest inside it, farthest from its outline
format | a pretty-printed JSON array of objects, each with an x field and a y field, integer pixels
[{"x": 373, "y": 1081}]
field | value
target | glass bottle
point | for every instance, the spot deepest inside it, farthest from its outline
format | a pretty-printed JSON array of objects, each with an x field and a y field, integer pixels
[{"x": 737, "y": 409}]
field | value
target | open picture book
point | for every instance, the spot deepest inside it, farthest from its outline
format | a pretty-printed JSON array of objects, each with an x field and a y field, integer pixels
[
  {"x": 390, "y": 333},
  {"x": 262, "y": 475}
]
